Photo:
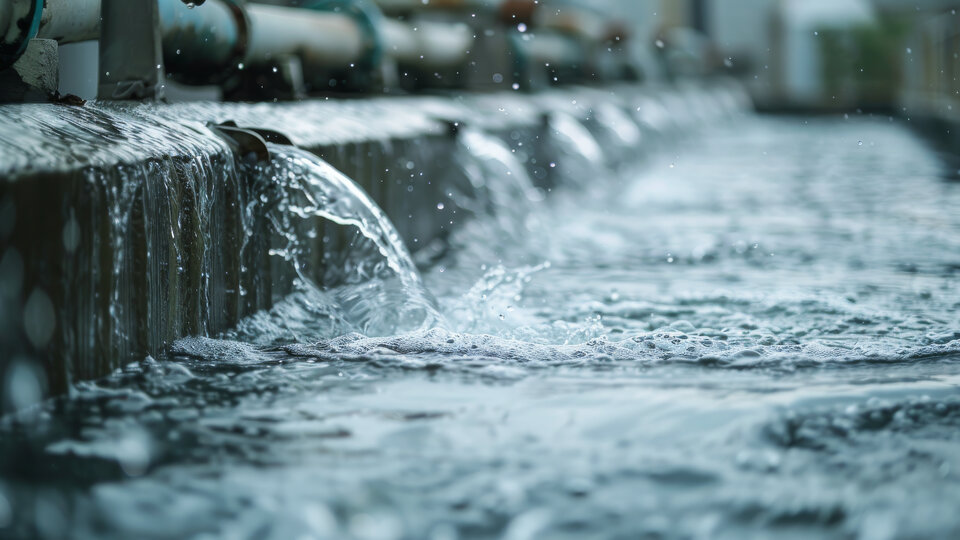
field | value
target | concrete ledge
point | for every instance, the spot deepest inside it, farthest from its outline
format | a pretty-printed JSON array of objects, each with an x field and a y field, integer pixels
[{"x": 122, "y": 227}]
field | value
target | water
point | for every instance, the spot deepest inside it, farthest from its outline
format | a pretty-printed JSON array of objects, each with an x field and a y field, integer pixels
[
  {"x": 153, "y": 233},
  {"x": 756, "y": 333},
  {"x": 319, "y": 218},
  {"x": 128, "y": 199}
]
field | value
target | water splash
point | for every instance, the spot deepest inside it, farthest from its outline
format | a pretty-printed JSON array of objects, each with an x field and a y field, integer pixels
[
  {"x": 618, "y": 133},
  {"x": 579, "y": 156},
  {"x": 501, "y": 181},
  {"x": 652, "y": 116},
  {"x": 746, "y": 348},
  {"x": 353, "y": 268}
]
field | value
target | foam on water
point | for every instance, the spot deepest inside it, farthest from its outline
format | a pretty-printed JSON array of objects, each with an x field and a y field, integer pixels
[{"x": 755, "y": 335}]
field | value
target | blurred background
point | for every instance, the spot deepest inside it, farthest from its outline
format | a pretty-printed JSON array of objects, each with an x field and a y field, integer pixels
[
  {"x": 810, "y": 54},
  {"x": 795, "y": 54}
]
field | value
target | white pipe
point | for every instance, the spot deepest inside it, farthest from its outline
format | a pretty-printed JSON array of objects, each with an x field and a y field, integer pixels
[
  {"x": 545, "y": 48},
  {"x": 317, "y": 37},
  {"x": 276, "y": 31},
  {"x": 69, "y": 21},
  {"x": 445, "y": 45},
  {"x": 427, "y": 44},
  {"x": 399, "y": 41}
]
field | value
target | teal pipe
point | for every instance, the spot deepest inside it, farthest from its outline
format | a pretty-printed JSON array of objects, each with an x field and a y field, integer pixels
[
  {"x": 209, "y": 45},
  {"x": 203, "y": 45},
  {"x": 367, "y": 15},
  {"x": 11, "y": 50}
]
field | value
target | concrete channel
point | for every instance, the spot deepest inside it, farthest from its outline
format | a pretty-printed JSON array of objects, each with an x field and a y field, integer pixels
[{"x": 121, "y": 224}]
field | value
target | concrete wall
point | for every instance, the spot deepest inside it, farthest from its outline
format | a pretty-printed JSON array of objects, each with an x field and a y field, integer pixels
[{"x": 124, "y": 227}]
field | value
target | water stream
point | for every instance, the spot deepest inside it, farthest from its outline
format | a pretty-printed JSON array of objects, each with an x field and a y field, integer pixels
[
  {"x": 755, "y": 333},
  {"x": 354, "y": 272}
]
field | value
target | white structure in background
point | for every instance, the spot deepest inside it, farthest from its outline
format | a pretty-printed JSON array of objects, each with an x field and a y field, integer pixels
[
  {"x": 777, "y": 43},
  {"x": 743, "y": 33},
  {"x": 644, "y": 18},
  {"x": 800, "y": 56}
]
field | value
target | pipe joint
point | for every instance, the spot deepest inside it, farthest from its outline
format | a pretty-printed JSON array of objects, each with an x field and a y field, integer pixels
[
  {"x": 208, "y": 45},
  {"x": 370, "y": 21}
]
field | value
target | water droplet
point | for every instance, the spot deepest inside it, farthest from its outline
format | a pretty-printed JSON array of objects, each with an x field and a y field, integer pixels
[{"x": 440, "y": 206}]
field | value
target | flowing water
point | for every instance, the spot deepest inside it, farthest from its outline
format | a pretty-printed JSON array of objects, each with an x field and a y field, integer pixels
[
  {"x": 319, "y": 218},
  {"x": 756, "y": 333}
]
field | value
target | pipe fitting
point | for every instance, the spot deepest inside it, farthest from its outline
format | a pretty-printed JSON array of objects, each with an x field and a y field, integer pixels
[
  {"x": 368, "y": 18},
  {"x": 249, "y": 146},
  {"x": 205, "y": 46}
]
